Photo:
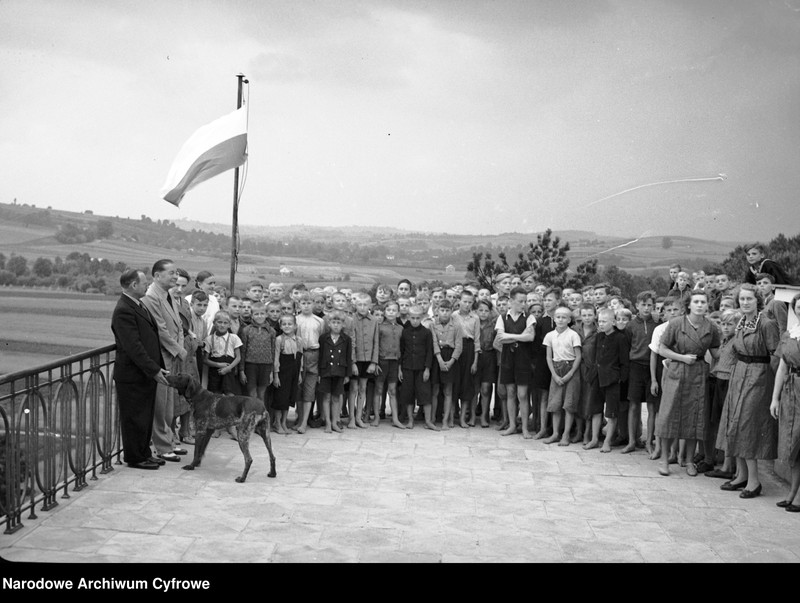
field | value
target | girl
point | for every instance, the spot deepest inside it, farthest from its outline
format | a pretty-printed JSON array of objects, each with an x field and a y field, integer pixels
[
  {"x": 747, "y": 430},
  {"x": 287, "y": 371}
]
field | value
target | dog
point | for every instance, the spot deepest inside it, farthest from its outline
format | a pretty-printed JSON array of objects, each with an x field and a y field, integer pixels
[{"x": 218, "y": 411}]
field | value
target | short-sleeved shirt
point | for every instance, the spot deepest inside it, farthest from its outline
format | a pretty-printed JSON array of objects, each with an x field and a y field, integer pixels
[
  {"x": 309, "y": 329},
  {"x": 563, "y": 344},
  {"x": 222, "y": 345}
]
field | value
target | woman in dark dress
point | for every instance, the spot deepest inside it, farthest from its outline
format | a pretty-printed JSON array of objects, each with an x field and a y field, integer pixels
[
  {"x": 747, "y": 431},
  {"x": 786, "y": 407}
]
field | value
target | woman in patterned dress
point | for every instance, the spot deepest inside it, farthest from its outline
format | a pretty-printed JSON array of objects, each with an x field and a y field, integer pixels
[
  {"x": 786, "y": 407},
  {"x": 747, "y": 431},
  {"x": 685, "y": 380}
]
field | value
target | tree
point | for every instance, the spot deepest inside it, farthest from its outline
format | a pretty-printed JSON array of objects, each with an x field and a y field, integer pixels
[
  {"x": 17, "y": 264},
  {"x": 43, "y": 267},
  {"x": 483, "y": 268},
  {"x": 666, "y": 243},
  {"x": 2, "y": 261},
  {"x": 105, "y": 228},
  {"x": 548, "y": 260}
]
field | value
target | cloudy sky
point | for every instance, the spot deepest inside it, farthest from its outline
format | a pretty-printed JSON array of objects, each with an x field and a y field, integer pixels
[{"x": 475, "y": 117}]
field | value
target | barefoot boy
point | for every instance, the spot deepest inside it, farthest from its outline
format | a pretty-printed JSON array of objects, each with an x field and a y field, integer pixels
[
  {"x": 414, "y": 371},
  {"x": 515, "y": 331},
  {"x": 335, "y": 354},
  {"x": 612, "y": 369},
  {"x": 563, "y": 359},
  {"x": 640, "y": 331}
]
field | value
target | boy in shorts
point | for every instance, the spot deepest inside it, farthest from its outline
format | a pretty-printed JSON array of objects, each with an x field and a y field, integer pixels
[
  {"x": 414, "y": 370},
  {"x": 515, "y": 331},
  {"x": 335, "y": 354},
  {"x": 613, "y": 362}
]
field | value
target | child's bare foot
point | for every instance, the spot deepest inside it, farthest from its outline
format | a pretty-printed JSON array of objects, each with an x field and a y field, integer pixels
[
  {"x": 432, "y": 427},
  {"x": 591, "y": 444},
  {"x": 445, "y": 426},
  {"x": 301, "y": 429},
  {"x": 282, "y": 431},
  {"x": 398, "y": 424},
  {"x": 375, "y": 422},
  {"x": 451, "y": 424},
  {"x": 664, "y": 470},
  {"x": 472, "y": 423},
  {"x": 540, "y": 434},
  {"x": 327, "y": 429},
  {"x": 410, "y": 425},
  {"x": 606, "y": 447},
  {"x": 575, "y": 439},
  {"x": 361, "y": 424},
  {"x": 510, "y": 430},
  {"x": 502, "y": 427},
  {"x": 564, "y": 442},
  {"x": 656, "y": 454},
  {"x": 553, "y": 438},
  {"x": 351, "y": 425},
  {"x": 526, "y": 435},
  {"x": 465, "y": 425},
  {"x": 484, "y": 423},
  {"x": 337, "y": 428},
  {"x": 629, "y": 448}
]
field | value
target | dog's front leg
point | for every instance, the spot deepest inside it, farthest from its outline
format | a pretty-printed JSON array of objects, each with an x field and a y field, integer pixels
[{"x": 201, "y": 442}]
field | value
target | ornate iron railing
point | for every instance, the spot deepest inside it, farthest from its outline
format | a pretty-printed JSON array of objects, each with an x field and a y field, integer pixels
[{"x": 59, "y": 425}]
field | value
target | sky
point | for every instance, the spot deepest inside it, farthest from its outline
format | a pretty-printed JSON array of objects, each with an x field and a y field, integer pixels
[{"x": 466, "y": 117}]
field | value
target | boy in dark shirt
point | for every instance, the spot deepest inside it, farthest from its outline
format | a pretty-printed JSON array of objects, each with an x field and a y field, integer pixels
[
  {"x": 414, "y": 370},
  {"x": 640, "y": 331},
  {"x": 613, "y": 361}
]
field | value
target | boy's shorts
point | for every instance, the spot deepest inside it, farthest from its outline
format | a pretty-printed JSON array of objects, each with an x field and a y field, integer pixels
[
  {"x": 610, "y": 396},
  {"x": 331, "y": 385},
  {"x": 257, "y": 374},
  {"x": 639, "y": 384},
  {"x": 515, "y": 365},
  {"x": 487, "y": 367},
  {"x": 363, "y": 365},
  {"x": 448, "y": 376},
  {"x": 310, "y": 372},
  {"x": 388, "y": 370},
  {"x": 565, "y": 396},
  {"x": 414, "y": 388}
]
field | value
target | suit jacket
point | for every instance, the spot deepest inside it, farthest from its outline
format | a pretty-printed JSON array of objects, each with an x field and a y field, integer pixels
[
  {"x": 138, "y": 348},
  {"x": 168, "y": 320},
  {"x": 613, "y": 357}
]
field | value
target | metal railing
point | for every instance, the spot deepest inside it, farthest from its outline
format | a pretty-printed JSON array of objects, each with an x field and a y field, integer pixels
[{"x": 59, "y": 425}]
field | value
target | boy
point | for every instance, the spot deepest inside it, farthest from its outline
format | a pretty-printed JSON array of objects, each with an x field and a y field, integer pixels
[
  {"x": 258, "y": 347},
  {"x": 515, "y": 331},
  {"x": 274, "y": 315},
  {"x": 234, "y": 309},
  {"x": 297, "y": 292},
  {"x": 774, "y": 309},
  {"x": 247, "y": 312},
  {"x": 447, "y": 348},
  {"x": 640, "y": 332},
  {"x": 198, "y": 327},
  {"x": 563, "y": 359},
  {"x": 389, "y": 332},
  {"x": 612, "y": 369},
  {"x": 254, "y": 291},
  {"x": 486, "y": 375},
  {"x": 623, "y": 317},
  {"x": 414, "y": 369},
  {"x": 318, "y": 300},
  {"x": 591, "y": 404},
  {"x": 672, "y": 308},
  {"x": 600, "y": 295},
  {"x": 309, "y": 330},
  {"x": 365, "y": 350},
  {"x": 437, "y": 295},
  {"x": 464, "y": 388},
  {"x": 723, "y": 288},
  {"x": 335, "y": 353},
  {"x": 275, "y": 291}
]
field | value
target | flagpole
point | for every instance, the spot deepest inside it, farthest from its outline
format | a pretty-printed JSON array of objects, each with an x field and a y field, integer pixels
[{"x": 235, "y": 221}]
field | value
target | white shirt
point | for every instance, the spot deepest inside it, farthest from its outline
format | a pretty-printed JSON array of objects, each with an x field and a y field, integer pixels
[{"x": 563, "y": 344}]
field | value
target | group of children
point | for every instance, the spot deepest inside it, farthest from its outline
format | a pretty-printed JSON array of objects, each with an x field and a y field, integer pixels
[{"x": 563, "y": 366}]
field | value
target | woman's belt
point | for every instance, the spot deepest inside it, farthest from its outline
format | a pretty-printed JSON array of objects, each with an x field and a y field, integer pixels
[{"x": 753, "y": 359}]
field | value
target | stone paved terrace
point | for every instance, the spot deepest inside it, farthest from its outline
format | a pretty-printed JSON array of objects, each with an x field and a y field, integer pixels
[{"x": 388, "y": 495}]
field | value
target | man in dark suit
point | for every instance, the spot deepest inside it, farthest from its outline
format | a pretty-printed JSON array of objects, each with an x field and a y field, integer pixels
[{"x": 138, "y": 369}]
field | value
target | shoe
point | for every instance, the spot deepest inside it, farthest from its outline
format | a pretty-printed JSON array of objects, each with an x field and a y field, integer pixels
[
  {"x": 188, "y": 440},
  {"x": 720, "y": 473},
  {"x": 143, "y": 465},
  {"x": 704, "y": 467},
  {"x": 180, "y": 451},
  {"x": 697, "y": 458},
  {"x": 731, "y": 487},
  {"x": 691, "y": 470},
  {"x": 793, "y": 508},
  {"x": 750, "y": 493},
  {"x": 783, "y": 503},
  {"x": 158, "y": 461},
  {"x": 170, "y": 456}
]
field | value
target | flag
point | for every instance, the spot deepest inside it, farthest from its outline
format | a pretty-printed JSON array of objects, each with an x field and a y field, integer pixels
[{"x": 211, "y": 150}]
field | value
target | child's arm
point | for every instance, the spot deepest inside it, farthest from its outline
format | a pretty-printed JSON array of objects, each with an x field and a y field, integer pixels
[
  {"x": 276, "y": 362},
  {"x": 553, "y": 374},
  {"x": 653, "y": 378},
  {"x": 575, "y": 365},
  {"x": 228, "y": 368}
]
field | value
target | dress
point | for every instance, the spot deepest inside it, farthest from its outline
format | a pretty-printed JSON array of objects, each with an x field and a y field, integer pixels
[
  {"x": 684, "y": 393},
  {"x": 789, "y": 414},
  {"x": 747, "y": 430}
]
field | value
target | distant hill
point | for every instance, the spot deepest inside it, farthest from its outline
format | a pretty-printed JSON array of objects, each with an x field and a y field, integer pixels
[{"x": 48, "y": 232}]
